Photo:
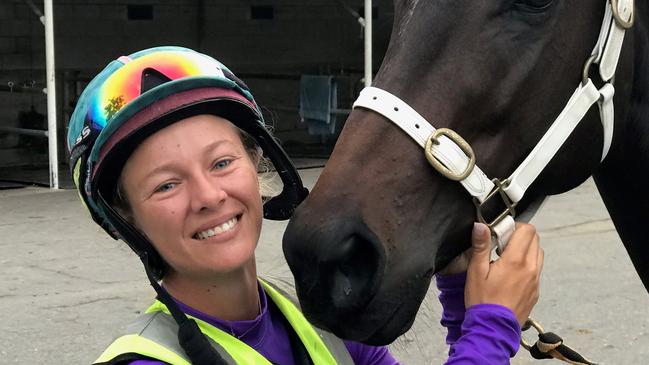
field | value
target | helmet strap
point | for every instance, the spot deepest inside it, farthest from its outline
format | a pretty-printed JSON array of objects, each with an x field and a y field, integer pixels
[{"x": 190, "y": 337}]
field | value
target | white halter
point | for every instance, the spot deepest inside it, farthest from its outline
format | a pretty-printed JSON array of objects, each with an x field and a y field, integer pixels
[{"x": 453, "y": 157}]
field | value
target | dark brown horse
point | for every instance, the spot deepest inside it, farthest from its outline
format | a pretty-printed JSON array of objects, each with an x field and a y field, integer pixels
[{"x": 381, "y": 221}]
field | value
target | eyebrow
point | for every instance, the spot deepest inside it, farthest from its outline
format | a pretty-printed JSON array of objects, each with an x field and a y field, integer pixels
[{"x": 172, "y": 164}]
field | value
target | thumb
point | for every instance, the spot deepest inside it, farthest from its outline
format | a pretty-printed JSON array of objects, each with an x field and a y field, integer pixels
[{"x": 481, "y": 247}]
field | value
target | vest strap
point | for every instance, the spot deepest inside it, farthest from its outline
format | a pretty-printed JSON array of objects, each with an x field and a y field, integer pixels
[{"x": 155, "y": 335}]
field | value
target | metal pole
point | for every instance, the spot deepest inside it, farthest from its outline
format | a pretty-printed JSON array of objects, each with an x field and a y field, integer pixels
[
  {"x": 368, "y": 42},
  {"x": 51, "y": 94}
]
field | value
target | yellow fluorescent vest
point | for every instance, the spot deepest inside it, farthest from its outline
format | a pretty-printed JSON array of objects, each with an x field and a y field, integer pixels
[{"x": 155, "y": 335}]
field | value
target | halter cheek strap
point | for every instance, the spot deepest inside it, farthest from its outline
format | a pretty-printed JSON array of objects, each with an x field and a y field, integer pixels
[
  {"x": 445, "y": 149},
  {"x": 452, "y": 156}
]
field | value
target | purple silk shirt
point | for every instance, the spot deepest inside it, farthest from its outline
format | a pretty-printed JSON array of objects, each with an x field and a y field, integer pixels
[{"x": 483, "y": 334}]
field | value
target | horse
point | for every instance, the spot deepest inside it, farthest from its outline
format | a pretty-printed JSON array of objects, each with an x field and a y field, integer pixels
[{"x": 381, "y": 220}]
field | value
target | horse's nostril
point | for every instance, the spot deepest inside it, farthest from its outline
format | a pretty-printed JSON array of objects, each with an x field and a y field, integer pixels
[
  {"x": 337, "y": 267},
  {"x": 353, "y": 273}
]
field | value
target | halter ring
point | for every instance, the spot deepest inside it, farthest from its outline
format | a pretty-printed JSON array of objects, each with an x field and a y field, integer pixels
[
  {"x": 585, "y": 74},
  {"x": 510, "y": 207},
  {"x": 437, "y": 164}
]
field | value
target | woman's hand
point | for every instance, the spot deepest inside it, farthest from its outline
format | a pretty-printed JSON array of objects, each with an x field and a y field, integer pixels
[{"x": 512, "y": 281}]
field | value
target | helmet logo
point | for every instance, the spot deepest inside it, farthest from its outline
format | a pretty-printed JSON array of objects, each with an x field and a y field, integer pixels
[
  {"x": 114, "y": 105},
  {"x": 85, "y": 132}
]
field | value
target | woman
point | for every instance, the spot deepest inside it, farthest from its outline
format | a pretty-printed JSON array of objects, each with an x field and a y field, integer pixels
[{"x": 165, "y": 146}]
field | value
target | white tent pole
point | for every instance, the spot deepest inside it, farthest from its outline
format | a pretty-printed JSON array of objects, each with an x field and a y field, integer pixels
[
  {"x": 368, "y": 42},
  {"x": 51, "y": 94}
]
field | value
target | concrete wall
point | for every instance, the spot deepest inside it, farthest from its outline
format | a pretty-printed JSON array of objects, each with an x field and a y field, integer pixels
[{"x": 304, "y": 36}]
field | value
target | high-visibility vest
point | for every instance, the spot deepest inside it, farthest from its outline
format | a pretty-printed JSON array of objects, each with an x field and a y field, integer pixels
[{"x": 155, "y": 335}]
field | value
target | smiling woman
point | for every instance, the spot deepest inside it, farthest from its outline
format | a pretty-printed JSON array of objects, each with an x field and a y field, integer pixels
[
  {"x": 193, "y": 191},
  {"x": 166, "y": 147}
]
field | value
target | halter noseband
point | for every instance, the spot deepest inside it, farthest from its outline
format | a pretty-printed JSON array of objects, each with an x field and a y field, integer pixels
[{"x": 453, "y": 157}]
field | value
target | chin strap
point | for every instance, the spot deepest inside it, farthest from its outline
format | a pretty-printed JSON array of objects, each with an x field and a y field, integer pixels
[
  {"x": 190, "y": 337},
  {"x": 453, "y": 157}
]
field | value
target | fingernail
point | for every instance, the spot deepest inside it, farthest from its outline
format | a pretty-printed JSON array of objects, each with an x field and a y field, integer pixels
[{"x": 479, "y": 229}]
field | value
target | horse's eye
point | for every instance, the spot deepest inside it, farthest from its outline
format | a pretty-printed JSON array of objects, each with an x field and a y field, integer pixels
[{"x": 534, "y": 5}]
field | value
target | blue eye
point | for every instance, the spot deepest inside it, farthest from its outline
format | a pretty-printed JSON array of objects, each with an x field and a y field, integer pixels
[
  {"x": 219, "y": 165},
  {"x": 165, "y": 187}
]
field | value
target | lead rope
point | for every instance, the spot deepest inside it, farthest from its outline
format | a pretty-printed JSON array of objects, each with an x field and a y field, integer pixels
[{"x": 550, "y": 346}]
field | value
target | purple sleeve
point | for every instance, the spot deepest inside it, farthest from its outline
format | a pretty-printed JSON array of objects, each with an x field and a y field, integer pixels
[
  {"x": 451, "y": 295},
  {"x": 369, "y": 355},
  {"x": 490, "y": 335}
]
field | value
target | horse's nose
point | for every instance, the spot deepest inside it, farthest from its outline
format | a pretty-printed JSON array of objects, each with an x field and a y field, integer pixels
[
  {"x": 350, "y": 275},
  {"x": 335, "y": 274}
]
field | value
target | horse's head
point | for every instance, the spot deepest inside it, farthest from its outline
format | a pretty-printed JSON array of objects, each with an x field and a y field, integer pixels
[{"x": 380, "y": 220}]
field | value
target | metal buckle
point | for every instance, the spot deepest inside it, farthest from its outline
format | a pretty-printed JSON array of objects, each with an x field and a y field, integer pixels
[
  {"x": 623, "y": 23},
  {"x": 530, "y": 323},
  {"x": 498, "y": 189},
  {"x": 437, "y": 164}
]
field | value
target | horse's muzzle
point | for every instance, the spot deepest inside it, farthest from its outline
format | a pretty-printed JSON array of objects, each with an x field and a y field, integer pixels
[{"x": 337, "y": 265}]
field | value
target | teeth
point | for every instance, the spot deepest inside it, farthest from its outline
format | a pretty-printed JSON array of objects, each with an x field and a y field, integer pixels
[{"x": 218, "y": 229}]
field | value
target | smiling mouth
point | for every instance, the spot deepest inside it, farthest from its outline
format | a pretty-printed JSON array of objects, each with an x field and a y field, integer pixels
[{"x": 220, "y": 229}]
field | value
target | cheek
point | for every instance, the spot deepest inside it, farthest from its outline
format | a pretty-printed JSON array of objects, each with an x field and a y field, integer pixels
[
  {"x": 157, "y": 221},
  {"x": 163, "y": 231}
]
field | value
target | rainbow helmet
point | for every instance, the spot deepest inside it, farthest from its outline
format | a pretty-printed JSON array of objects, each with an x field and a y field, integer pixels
[{"x": 137, "y": 95}]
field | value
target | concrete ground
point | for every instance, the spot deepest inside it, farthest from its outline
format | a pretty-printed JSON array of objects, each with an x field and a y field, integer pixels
[{"x": 66, "y": 288}]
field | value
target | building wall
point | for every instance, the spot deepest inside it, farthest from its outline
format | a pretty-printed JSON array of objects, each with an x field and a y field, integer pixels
[{"x": 304, "y": 36}]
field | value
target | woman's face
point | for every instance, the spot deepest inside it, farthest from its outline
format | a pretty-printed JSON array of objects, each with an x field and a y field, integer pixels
[{"x": 193, "y": 191}]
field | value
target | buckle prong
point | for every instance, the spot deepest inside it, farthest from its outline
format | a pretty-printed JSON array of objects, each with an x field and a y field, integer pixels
[{"x": 460, "y": 142}]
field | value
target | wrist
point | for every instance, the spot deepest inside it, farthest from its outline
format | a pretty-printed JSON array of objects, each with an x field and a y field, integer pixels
[{"x": 447, "y": 282}]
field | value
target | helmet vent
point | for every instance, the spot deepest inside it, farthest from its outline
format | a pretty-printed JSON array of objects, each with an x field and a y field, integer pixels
[{"x": 151, "y": 78}]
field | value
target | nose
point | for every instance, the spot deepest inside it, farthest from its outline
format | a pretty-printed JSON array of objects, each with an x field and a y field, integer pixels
[
  {"x": 336, "y": 274},
  {"x": 206, "y": 192},
  {"x": 352, "y": 272}
]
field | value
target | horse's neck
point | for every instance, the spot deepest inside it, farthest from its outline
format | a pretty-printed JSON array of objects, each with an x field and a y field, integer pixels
[{"x": 623, "y": 180}]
